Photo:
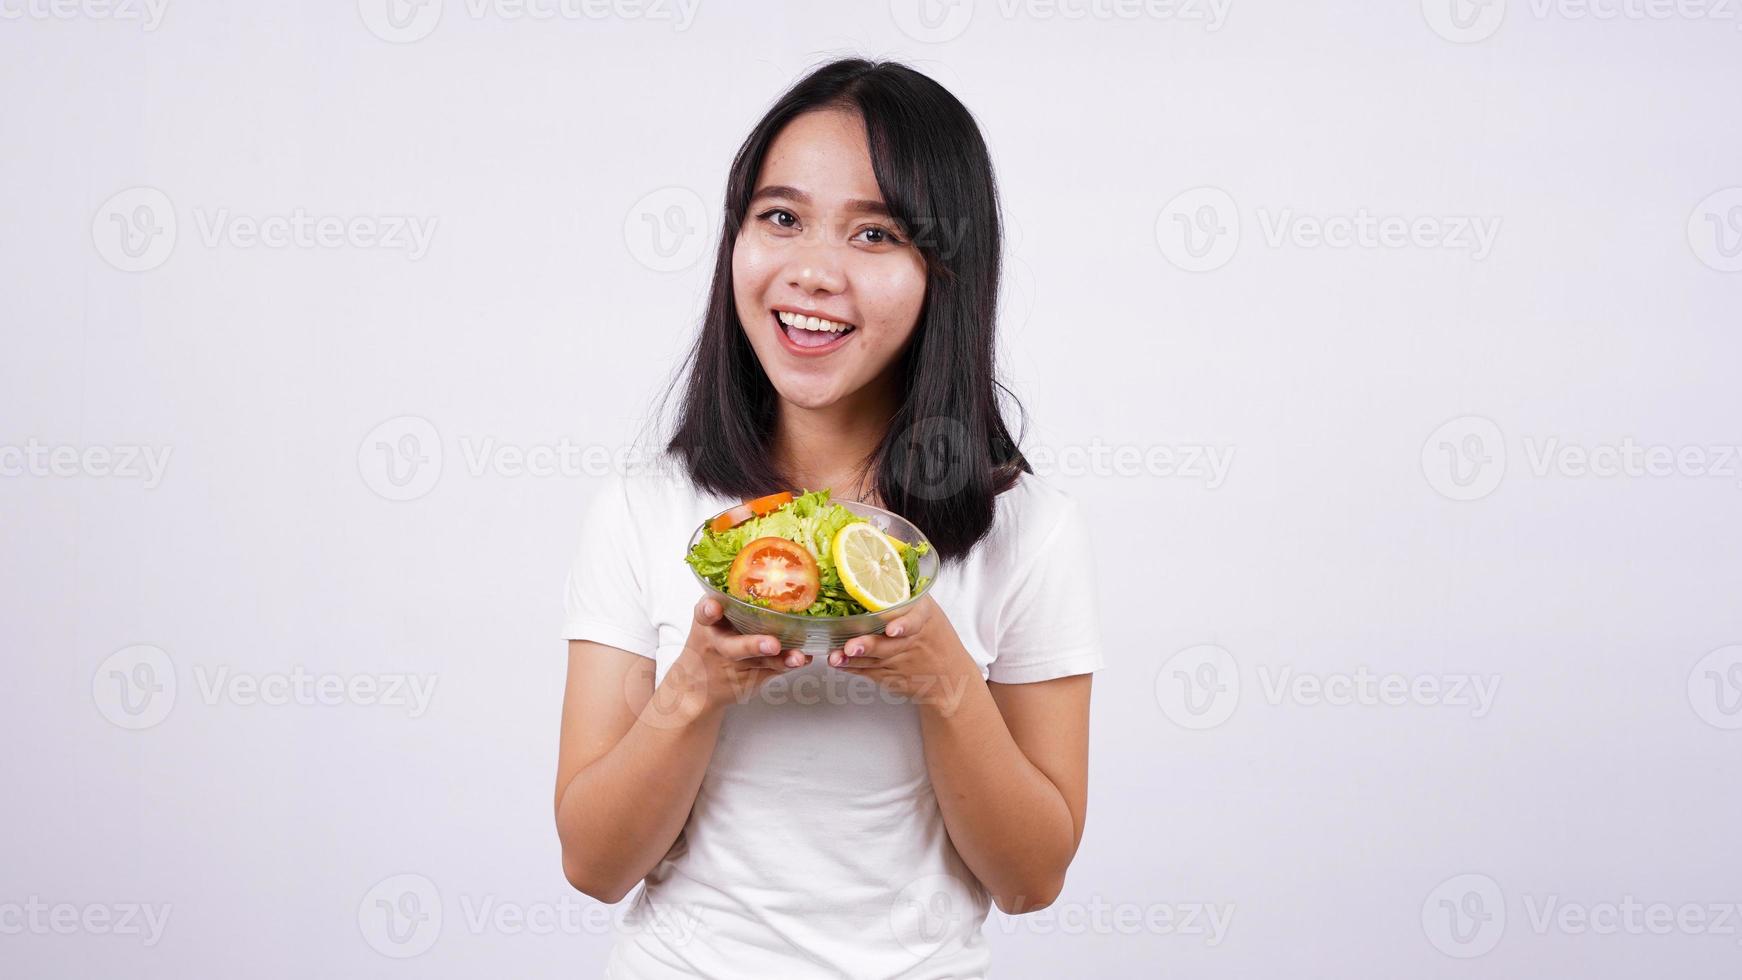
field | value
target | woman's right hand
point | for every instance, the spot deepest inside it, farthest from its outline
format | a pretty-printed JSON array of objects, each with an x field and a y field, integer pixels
[{"x": 720, "y": 667}]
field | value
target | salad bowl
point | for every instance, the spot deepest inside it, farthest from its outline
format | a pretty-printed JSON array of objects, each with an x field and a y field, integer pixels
[{"x": 819, "y": 634}]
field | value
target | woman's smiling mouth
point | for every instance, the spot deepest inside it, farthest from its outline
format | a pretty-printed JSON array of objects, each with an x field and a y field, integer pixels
[{"x": 808, "y": 335}]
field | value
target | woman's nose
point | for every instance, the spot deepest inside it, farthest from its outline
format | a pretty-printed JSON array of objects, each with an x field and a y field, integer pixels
[{"x": 816, "y": 270}]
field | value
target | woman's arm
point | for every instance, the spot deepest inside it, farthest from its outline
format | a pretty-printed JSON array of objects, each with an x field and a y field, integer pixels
[
  {"x": 632, "y": 759},
  {"x": 1010, "y": 765},
  {"x": 1009, "y": 762}
]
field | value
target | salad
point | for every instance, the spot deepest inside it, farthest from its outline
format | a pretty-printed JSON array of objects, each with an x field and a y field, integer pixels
[{"x": 804, "y": 555}]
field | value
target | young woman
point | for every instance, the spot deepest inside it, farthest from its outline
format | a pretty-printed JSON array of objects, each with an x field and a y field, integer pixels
[{"x": 850, "y": 815}]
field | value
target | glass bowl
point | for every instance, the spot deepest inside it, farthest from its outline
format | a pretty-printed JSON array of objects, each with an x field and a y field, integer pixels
[{"x": 820, "y": 634}]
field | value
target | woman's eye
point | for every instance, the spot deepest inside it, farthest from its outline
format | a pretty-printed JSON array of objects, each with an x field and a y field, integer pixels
[
  {"x": 880, "y": 236},
  {"x": 779, "y": 217}
]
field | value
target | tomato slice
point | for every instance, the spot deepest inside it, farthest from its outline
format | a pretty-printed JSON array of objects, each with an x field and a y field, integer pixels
[
  {"x": 782, "y": 573},
  {"x": 763, "y": 506}
]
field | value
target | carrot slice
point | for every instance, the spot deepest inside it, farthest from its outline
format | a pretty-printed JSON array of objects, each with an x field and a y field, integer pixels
[
  {"x": 731, "y": 519},
  {"x": 763, "y": 506}
]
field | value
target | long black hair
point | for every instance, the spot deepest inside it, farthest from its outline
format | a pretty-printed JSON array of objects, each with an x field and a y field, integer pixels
[{"x": 947, "y": 453}]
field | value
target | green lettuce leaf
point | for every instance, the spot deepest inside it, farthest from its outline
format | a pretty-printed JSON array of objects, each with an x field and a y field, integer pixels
[{"x": 810, "y": 520}]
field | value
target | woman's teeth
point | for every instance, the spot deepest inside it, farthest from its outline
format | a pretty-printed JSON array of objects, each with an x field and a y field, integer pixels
[{"x": 810, "y": 331}]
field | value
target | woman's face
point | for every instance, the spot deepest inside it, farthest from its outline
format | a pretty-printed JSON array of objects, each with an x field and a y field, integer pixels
[{"x": 816, "y": 242}]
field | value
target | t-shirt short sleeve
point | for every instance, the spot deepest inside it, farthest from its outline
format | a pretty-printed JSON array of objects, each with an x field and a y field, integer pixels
[
  {"x": 1049, "y": 626},
  {"x": 606, "y": 595}
]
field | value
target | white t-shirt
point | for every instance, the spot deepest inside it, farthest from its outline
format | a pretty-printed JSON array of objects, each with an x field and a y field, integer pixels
[{"x": 815, "y": 847}]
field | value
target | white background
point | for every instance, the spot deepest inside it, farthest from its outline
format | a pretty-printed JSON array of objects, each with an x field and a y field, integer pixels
[{"x": 1361, "y": 392}]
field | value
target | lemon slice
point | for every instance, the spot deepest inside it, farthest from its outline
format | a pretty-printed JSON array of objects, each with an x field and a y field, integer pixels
[{"x": 871, "y": 569}]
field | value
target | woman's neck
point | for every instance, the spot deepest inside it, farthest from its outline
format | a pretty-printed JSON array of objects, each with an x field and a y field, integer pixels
[{"x": 832, "y": 447}]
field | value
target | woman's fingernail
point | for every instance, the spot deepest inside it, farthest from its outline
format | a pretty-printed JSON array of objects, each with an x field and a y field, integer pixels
[
  {"x": 855, "y": 650},
  {"x": 769, "y": 646},
  {"x": 834, "y": 660},
  {"x": 895, "y": 630}
]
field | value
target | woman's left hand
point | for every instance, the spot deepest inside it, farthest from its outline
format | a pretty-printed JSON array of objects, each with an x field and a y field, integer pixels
[{"x": 918, "y": 656}]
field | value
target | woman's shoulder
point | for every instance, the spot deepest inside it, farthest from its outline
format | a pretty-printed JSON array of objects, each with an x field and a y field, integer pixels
[
  {"x": 1027, "y": 516},
  {"x": 656, "y": 487}
]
